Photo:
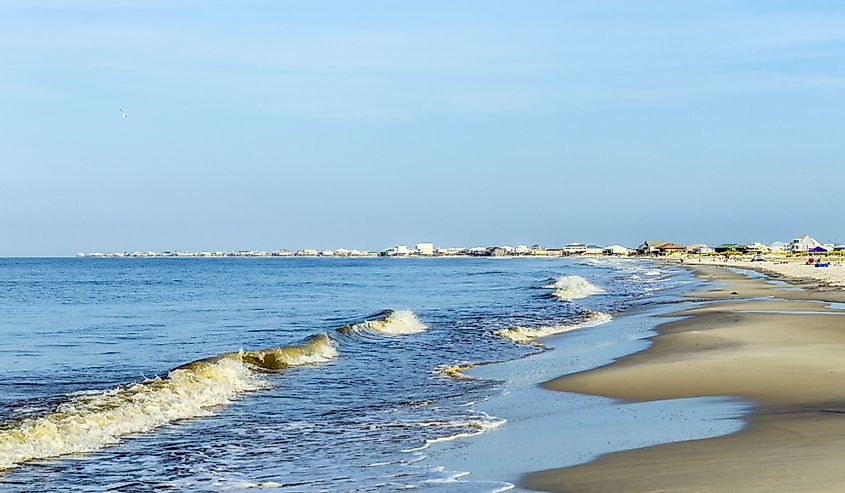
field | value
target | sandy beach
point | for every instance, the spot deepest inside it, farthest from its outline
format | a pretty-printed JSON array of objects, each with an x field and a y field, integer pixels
[{"x": 779, "y": 348}]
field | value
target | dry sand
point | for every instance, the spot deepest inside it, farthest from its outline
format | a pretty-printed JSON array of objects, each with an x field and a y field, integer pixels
[
  {"x": 790, "y": 364},
  {"x": 787, "y": 268}
]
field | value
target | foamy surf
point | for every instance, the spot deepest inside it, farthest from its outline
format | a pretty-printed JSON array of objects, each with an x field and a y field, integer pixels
[
  {"x": 389, "y": 322},
  {"x": 466, "y": 429},
  {"x": 570, "y": 288},
  {"x": 91, "y": 421},
  {"x": 528, "y": 335}
]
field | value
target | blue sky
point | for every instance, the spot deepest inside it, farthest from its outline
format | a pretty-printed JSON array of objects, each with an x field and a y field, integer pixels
[{"x": 282, "y": 124}]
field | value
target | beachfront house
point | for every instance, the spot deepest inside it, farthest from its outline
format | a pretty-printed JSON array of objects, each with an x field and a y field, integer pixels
[
  {"x": 727, "y": 248},
  {"x": 521, "y": 250},
  {"x": 496, "y": 252},
  {"x": 804, "y": 244},
  {"x": 396, "y": 251},
  {"x": 670, "y": 248},
  {"x": 575, "y": 249},
  {"x": 699, "y": 249},
  {"x": 617, "y": 250},
  {"x": 649, "y": 247},
  {"x": 593, "y": 250},
  {"x": 756, "y": 247},
  {"x": 424, "y": 249}
]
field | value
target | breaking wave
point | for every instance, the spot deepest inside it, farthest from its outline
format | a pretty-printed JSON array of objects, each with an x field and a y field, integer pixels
[
  {"x": 528, "y": 335},
  {"x": 388, "y": 322},
  {"x": 570, "y": 288},
  {"x": 89, "y": 422}
]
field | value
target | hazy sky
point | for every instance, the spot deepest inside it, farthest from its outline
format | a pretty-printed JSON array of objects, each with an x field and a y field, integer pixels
[{"x": 290, "y": 124}]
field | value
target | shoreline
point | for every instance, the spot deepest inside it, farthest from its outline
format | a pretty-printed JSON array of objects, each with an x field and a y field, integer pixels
[
  {"x": 752, "y": 339},
  {"x": 535, "y": 436}
]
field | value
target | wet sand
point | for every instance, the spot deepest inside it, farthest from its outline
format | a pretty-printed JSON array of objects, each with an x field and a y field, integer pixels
[{"x": 783, "y": 350}]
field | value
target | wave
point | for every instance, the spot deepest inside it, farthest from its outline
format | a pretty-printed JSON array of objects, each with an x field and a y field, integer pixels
[
  {"x": 92, "y": 421},
  {"x": 465, "y": 429},
  {"x": 316, "y": 349},
  {"x": 570, "y": 288},
  {"x": 528, "y": 335},
  {"x": 388, "y": 322},
  {"x": 455, "y": 371}
]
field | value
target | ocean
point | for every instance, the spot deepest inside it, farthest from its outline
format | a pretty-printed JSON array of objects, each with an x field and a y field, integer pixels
[{"x": 291, "y": 374}]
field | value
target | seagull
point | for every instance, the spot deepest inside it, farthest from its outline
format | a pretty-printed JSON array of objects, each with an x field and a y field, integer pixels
[{"x": 123, "y": 114}]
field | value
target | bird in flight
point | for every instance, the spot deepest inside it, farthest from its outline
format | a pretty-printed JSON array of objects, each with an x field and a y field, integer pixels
[{"x": 123, "y": 115}]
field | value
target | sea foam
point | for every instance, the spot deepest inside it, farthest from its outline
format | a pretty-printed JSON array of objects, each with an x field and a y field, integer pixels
[
  {"x": 528, "y": 335},
  {"x": 570, "y": 288}
]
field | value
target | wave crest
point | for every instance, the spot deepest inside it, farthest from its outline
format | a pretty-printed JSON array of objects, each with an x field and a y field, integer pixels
[
  {"x": 528, "y": 335},
  {"x": 92, "y": 421},
  {"x": 316, "y": 349},
  {"x": 570, "y": 288},
  {"x": 388, "y": 322}
]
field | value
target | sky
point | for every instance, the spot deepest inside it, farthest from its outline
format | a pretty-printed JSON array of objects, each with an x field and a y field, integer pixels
[{"x": 326, "y": 124}]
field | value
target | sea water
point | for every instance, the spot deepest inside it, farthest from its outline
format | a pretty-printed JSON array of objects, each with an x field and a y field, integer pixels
[{"x": 293, "y": 374}]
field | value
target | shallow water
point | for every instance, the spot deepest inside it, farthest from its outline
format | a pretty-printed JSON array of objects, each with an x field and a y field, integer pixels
[
  {"x": 96, "y": 391},
  {"x": 549, "y": 429}
]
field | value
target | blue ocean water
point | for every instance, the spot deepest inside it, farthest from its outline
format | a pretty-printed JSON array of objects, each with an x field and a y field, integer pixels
[{"x": 97, "y": 389}]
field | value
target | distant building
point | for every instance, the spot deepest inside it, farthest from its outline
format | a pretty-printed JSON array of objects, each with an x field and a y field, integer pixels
[
  {"x": 574, "y": 249},
  {"x": 521, "y": 250},
  {"x": 476, "y": 251},
  {"x": 496, "y": 252},
  {"x": 699, "y": 249},
  {"x": 649, "y": 247},
  {"x": 424, "y": 249},
  {"x": 803, "y": 244},
  {"x": 670, "y": 248},
  {"x": 756, "y": 247},
  {"x": 593, "y": 250},
  {"x": 306, "y": 252},
  {"x": 727, "y": 248},
  {"x": 617, "y": 250},
  {"x": 396, "y": 251}
]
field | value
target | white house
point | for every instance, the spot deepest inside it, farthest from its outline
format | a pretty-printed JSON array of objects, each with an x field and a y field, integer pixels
[
  {"x": 615, "y": 250},
  {"x": 757, "y": 247},
  {"x": 396, "y": 251},
  {"x": 700, "y": 249},
  {"x": 306, "y": 252},
  {"x": 574, "y": 249},
  {"x": 802, "y": 244},
  {"x": 424, "y": 248},
  {"x": 593, "y": 250},
  {"x": 521, "y": 250}
]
